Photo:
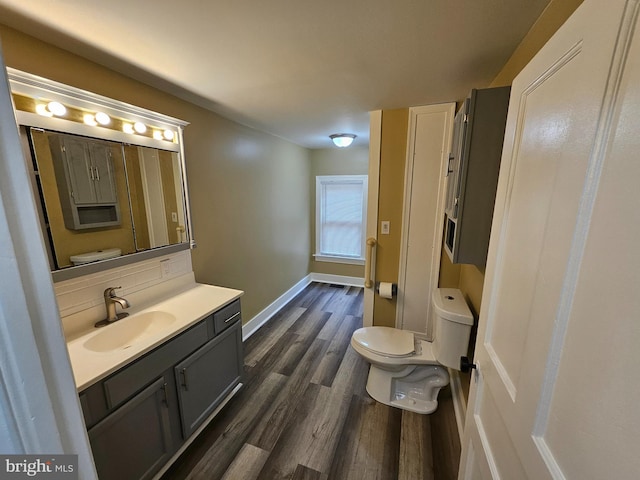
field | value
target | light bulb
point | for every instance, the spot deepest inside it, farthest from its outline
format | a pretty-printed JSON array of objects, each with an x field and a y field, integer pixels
[
  {"x": 127, "y": 128},
  {"x": 157, "y": 134},
  {"x": 102, "y": 118},
  {"x": 90, "y": 119},
  {"x": 41, "y": 109},
  {"x": 57, "y": 108},
  {"x": 140, "y": 127},
  {"x": 168, "y": 134}
]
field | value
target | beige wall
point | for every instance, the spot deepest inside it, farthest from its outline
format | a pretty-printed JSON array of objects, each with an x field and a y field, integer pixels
[
  {"x": 249, "y": 190},
  {"x": 334, "y": 161}
]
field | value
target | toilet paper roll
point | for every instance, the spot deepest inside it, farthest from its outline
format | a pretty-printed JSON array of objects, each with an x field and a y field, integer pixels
[{"x": 385, "y": 290}]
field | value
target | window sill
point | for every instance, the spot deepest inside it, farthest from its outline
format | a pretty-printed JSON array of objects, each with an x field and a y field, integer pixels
[{"x": 334, "y": 259}]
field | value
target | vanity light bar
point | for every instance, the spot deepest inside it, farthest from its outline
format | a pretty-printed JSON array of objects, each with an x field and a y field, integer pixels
[{"x": 57, "y": 109}]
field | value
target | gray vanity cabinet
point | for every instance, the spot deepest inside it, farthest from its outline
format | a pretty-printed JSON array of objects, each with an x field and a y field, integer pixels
[
  {"x": 207, "y": 376},
  {"x": 136, "y": 440},
  {"x": 140, "y": 416}
]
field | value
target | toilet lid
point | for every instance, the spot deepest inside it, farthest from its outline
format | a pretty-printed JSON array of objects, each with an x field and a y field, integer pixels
[{"x": 385, "y": 341}]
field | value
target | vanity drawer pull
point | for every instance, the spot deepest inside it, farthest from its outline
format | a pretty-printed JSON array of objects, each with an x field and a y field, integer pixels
[
  {"x": 184, "y": 378},
  {"x": 166, "y": 396},
  {"x": 226, "y": 316}
]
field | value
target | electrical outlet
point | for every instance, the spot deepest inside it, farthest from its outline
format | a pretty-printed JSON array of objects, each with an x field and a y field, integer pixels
[{"x": 384, "y": 227}]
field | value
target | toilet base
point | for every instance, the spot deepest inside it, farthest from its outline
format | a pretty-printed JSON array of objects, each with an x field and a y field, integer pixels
[{"x": 414, "y": 388}]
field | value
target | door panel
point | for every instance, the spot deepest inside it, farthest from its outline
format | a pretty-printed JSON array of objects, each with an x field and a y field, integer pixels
[{"x": 551, "y": 396}]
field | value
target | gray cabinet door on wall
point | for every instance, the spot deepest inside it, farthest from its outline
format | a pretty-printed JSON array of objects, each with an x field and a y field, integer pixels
[
  {"x": 86, "y": 180},
  {"x": 473, "y": 174},
  {"x": 135, "y": 441},
  {"x": 207, "y": 376}
]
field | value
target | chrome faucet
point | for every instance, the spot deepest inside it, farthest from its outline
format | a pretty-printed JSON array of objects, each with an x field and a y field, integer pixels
[{"x": 110, "y": 301}]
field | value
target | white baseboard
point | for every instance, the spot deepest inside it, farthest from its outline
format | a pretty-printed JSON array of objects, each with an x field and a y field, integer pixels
[
  {"x": 459, "y": 403},
  {"x": 337, "y": 279},
  {"x": 263, "y": 317},
  {"x": 253, "y": 325}
]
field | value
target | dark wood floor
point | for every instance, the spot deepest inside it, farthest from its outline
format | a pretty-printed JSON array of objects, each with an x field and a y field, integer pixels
[{"x": 304, "y": 413}]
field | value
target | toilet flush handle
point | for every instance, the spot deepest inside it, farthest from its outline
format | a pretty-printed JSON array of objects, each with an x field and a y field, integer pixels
[{"x": 466, "y": 365}]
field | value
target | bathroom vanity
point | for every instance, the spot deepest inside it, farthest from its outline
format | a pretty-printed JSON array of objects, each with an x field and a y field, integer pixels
[{"x": 151, "y": 382}]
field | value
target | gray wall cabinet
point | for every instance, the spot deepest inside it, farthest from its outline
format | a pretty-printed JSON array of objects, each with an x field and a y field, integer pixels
[
  {"x": 138, "y": 417},
  {"x": 86, "y": 182},
  {"x": 472, "y": 176}
]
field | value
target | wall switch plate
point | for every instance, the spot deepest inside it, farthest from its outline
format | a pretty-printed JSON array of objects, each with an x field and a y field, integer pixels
[
  {"x": 174, "y": 217},
  {"x": 384, "y": 227}
]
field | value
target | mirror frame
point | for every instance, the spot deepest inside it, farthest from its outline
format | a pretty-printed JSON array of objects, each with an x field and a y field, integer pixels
[{"x": 36, "y": 87}]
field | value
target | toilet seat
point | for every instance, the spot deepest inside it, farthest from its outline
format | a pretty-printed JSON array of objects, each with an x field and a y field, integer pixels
[
  {"x": 371, "y": 343},
  {"x": 385, "y": 341}
]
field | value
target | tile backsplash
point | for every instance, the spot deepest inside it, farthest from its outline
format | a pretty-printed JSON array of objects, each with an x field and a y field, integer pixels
[{"x": 81, "y": 301}]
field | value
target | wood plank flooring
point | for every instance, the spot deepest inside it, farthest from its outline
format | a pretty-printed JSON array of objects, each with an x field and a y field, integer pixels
[{"x": 304, "y": 413}]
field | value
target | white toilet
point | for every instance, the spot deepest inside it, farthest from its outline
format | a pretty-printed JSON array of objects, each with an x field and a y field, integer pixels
[{"x": 407, "y": 372}]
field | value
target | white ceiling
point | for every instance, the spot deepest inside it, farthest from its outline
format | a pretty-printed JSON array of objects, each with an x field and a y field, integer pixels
[{"x": 298, "y": 69}]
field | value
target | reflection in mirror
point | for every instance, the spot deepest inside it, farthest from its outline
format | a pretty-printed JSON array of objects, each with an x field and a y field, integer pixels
[
  {"x": 154, "y": 181},
  {"x": 101, "y": 199}
]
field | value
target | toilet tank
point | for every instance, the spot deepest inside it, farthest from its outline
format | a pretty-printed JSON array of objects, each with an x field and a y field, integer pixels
[{"x": 452, "y": 326}]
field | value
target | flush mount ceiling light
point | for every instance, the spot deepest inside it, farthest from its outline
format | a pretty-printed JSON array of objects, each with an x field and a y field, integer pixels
[{"x": 342, "y": 139}]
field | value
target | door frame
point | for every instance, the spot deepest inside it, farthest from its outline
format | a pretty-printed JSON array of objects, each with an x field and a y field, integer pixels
[{"x": 375, "y": 136}]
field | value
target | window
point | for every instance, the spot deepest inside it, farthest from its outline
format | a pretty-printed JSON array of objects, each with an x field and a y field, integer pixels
[{"x": 341, "y": 212}]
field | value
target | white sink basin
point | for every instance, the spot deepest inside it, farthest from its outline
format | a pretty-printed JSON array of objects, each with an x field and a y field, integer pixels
[{"x": 126, "y": 332}]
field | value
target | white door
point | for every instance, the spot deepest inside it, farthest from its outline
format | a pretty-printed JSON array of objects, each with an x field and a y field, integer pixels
[
  {"x": 430, "y": 130},
  {"x": 556, "y": 391},
  {"x": 153, "y": 196}
]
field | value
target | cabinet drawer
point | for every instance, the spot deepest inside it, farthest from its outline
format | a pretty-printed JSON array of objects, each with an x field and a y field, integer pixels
[
  {"x": 227, "y": 316},
  {"x": 124, "y": 384}
]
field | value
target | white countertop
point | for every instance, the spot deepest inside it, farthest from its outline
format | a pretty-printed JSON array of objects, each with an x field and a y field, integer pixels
[{"x": 188, "y": 306}]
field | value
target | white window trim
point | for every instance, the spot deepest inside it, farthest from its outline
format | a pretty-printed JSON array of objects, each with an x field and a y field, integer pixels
[{"x": 325, "y": 179}]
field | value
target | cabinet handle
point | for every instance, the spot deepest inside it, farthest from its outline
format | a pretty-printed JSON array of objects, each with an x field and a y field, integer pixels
[
  {"x": 184, "y": 379},
  {"x": 97, "y": 174},
  {"x": 232, "y": 317},
  {"x": 91, "y": 172},
  {"x": 451, "y": 157},
  {"x": 166, "y": 397}
]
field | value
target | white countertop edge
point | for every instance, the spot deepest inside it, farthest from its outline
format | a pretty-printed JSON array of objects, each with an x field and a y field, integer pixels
[{"x": 188, "y": 306}]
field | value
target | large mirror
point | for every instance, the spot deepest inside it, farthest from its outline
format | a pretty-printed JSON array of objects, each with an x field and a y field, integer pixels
[
  {"x": 104, "y": 199},
  {"x": 108, "y": 176}
]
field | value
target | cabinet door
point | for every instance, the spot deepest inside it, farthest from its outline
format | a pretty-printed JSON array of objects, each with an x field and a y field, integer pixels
[
  {"x": 134, "y": 442},
  {"x": 455, "y": 161},
  {"x": 102, "y": 163},
  {"x": 207, "y": 376},
  {"x": 80, "y": 172}
]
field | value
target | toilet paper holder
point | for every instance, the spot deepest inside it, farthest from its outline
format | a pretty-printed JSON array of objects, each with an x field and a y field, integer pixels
[{"x": 394, "y": 289}]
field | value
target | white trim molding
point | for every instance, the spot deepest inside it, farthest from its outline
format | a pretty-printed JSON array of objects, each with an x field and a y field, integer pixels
[
  {"x": 459, "y": 402},
  {"x": 253, "y": 325}
]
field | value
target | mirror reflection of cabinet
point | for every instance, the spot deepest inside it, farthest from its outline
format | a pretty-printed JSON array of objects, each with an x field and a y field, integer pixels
[
  {"x": 86, "y": 182},
  {"x": 94, "y": 174},
  {"x": 474, "y": 165}
]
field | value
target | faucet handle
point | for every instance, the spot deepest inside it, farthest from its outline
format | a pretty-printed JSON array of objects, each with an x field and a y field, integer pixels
[{"x": 109, "y": 292}]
